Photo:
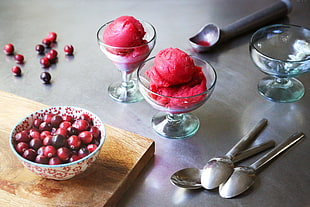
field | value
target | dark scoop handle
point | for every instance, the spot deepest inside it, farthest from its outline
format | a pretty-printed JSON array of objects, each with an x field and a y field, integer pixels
[{"x": 256, "y": 20}]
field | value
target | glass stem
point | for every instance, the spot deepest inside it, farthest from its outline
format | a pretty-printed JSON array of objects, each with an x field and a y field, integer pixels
[
  {"x": 126, "y": 80},
  {"x": 283, "y": 82},
  {"x": 174, "y": 119}
]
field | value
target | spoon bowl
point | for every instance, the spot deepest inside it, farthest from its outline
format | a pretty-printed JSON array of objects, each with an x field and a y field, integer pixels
[
  {"x": 217, "y": 170},
  {"x": 188, "y": 178}
]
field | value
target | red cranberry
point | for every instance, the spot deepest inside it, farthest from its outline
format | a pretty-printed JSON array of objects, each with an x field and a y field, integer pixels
[
  {"x": 48, "y": 118},
  {"x": 41, "y": 159},
  {"x": 56, "y": 120},
  {"x": 44, "y": 126},
  {"x": 91, "y": 147},
  {"x": 95, "y": 131},
  {"x": 47, "y": 42},
  {"x": 53, "y": 52},
  {"x": 21, "y": 147},
  {"x": 72, "y": 131},
  {"x": 59, "y": 140},
  {"x": 19, "y": 58},
  {"x": 8, "y": 49},
  {"x": 36, "y": 123},
  {"x": 65, "y": 125},
  {"x": 74, "y": 142},
  {"x": 40, "y": 151},
  {"x": 49, "y": 151},
  {"x": 47, "y": 140},
  {"x": 39, "y": 48},
  {"x": 52, "y": 36},
  {"x": 83, "y": 152},
  {"x": 16, "y": 70},
  {"x": 67, "y": 118},
  {"x": 74, "y": 158},
  {"x": 35, "y": 143},
  {"x": 87, "y": 118},
  {"x": 51, "y": 58},
  {"x": 30, "y": 154},
  {"x": 54, "y": 161},
  {"x": 61, "y": 131},
  {"x": 44, "y": 134},
  {"x": 45, "y": 62},
  {"x": 81, "y": 125},
  {"x": 68, "y": 49},
  {"x": 22, "y": 136},
  {"x": 34, "y": 134},
  {"x": 86, "y": 137},
  {"x": 46, "y": 77},
  {"x": 63, "y": 153}
]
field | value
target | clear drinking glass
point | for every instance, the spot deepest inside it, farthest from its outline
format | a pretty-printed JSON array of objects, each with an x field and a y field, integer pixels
[
  {"x": 127, "y": 60},
  {"x": 173, "y": 119},
  {"x": 283, "y": 53}
]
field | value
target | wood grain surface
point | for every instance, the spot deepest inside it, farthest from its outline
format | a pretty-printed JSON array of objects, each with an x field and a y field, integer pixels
[{"x": 121, "y": 159}]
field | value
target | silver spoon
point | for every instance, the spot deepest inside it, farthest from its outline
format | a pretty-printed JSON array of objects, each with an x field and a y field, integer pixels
[
  {"x": 218, "y": 169},
  {"x": 243, "y": 177},
  {"x": 189, "y": 178},
  {"x": 211, "y": 35}
]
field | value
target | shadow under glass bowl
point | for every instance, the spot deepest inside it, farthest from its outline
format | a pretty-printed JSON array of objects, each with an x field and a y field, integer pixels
[
  {"x": 174, "y": 120},
  {"x": 283, "y": 53}
]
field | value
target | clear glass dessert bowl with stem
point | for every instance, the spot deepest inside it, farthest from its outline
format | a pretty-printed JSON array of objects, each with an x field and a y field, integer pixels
[
  {"x": 127, "y": 60},
  {"x": 174, "y": 119},
  {"x": 283, "y": 53}
]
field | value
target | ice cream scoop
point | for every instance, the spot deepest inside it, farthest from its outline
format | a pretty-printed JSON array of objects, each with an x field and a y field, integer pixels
[
  {"x": 174, "y": 74},
  {"x": 211, "y": 35},
  {"x": 124, "y": 31}
]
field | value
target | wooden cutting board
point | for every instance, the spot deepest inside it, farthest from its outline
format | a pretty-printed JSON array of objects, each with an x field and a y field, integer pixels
[{"x": 121, "y": 159}]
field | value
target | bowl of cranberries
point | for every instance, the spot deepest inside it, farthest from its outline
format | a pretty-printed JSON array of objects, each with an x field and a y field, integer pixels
[{"x": 58, "y": 142}]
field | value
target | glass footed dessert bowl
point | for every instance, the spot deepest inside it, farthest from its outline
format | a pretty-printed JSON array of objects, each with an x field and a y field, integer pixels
[
  {"x": 283, "y": 53},
  {"x": 127, "y": 60},
  {"x": 173, "y": 119}
]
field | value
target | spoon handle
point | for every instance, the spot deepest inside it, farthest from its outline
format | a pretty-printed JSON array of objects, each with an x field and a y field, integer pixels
[
  {"x": 247, "y": 139},
  {"x": 256, "y": 20},
  {"x": 254, "y": 150},
  {"x": 292, "y": 140}
]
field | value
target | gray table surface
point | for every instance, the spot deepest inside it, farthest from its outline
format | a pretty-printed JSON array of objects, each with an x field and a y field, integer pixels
[{"x": 234, "y": 107}]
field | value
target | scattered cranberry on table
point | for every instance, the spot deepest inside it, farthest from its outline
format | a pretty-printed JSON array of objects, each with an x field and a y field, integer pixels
[
  {"x": 45, "y": 62},
  {"x": 46, "y": 48},
  {"x": 52, "y": 36},
  {"x": 46, "y": 77},
  {"x": 53, "y": 52},
  {"x": 40, "y": 49},
  {"x": 8, "y": 49},
  {"x": 68, "y": 49},
  {"x": 51, "y": 58},
  {"x": 59, "y": 149},
  {"x": 16, "y": 70},
  {"x": 19, "y": 58},
  {"x": 47, "y": 42}
]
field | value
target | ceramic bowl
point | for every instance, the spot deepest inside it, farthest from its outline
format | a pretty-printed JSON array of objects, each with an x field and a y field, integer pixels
[{"x": 61, "y": 171}]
